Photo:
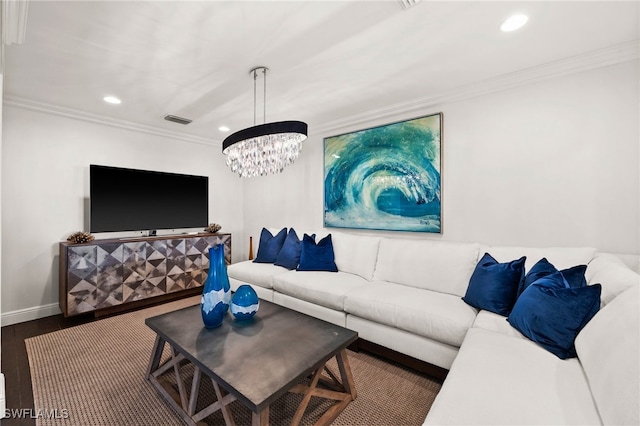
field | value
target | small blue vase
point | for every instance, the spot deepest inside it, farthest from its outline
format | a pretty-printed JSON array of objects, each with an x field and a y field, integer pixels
[
  {"x": 244, "y": 303},
  {"x": 216, "y": 295}
]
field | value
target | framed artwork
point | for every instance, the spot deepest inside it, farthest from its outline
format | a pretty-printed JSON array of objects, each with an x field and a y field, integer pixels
[{"x": 385, "y": 177}]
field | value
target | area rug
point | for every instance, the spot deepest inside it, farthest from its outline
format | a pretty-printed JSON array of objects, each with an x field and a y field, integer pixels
[{"x": 94, "y": 374}]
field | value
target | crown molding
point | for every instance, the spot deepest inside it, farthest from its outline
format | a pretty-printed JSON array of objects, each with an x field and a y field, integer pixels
[
  {"x": 38, "y": 106},
  {"x": 617, "y": 54}
]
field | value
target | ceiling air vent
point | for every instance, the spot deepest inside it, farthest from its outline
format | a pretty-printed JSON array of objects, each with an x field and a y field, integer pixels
[
  {"x": 406, "y": 4},
  {"x": 177, "y": 119}
]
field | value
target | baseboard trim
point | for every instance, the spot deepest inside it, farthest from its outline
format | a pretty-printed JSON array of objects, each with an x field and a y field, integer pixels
[{"x": 28, "y": 314}]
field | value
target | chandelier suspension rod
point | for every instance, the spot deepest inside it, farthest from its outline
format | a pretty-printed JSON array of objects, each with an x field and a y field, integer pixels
[
  {"x": 255, "y": 94},
  {"x": 255, "y": 76},
  {"x": 264, "y": 97}
]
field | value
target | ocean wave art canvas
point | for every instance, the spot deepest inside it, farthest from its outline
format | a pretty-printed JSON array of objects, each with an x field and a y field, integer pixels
[{"x": 386, "y": 177}]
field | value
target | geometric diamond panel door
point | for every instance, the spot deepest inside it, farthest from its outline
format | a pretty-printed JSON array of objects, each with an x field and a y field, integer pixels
[{"x": 107, "y": 273}]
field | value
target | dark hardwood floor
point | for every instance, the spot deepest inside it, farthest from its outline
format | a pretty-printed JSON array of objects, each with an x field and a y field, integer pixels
[{"x": 15, "y": 365}]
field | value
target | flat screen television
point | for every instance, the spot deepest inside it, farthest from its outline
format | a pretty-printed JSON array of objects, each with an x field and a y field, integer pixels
[{"x": 139, "y": 200}]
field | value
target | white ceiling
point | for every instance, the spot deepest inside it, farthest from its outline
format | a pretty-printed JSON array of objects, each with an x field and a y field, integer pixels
[{"x": 328, "y": 60}]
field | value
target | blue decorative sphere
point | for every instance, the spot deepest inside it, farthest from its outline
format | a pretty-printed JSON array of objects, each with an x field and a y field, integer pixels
[{"x": 244, "y": 303}]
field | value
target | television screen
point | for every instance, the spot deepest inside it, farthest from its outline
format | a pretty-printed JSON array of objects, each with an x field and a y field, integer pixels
[{"x": 139, "y": 200}]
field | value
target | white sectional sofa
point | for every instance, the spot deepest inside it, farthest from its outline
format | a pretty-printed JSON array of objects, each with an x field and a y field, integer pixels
[{"x": 406, "y": 295}]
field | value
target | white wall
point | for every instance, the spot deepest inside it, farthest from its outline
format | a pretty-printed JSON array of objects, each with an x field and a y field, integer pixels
[
  {"x": 45, "y": 176},
  {"x": 554, "y": 163}
]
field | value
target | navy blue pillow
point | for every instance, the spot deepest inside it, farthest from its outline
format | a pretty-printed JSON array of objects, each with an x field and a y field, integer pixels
[
  {"x": 270, "y": 245},
  {"x": 494, "y": 286},
  {"x": 289, "y": 256},
  {"x": 574, "y": 276},
  {"x": 552, "y": 315},
  {"x": 317, "y": 257}
]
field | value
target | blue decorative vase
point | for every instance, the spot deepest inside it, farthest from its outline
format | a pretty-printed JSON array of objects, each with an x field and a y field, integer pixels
[
  {"x": 216, "y": 295},
  {"x": 244, "y": 303}
]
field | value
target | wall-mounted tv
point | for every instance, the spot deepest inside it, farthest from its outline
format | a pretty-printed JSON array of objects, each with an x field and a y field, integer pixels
[{"x": 139, "y": 200}]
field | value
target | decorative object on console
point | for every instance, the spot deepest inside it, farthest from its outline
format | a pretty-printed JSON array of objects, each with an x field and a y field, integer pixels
[
  {"x": 244, "y": 303},
  {"x": 494, "y": 286},
  {"x": 80, "y": 237},
  {"x": 386, "y": 177},
  {"x": 270, "y": 245},
  {"x": 216, "y": 295},
  {"x": 213, "y": 228},
  {"x": 317, "y": 256},
  {"x": 266, "y": 148},
  {"x": 551, "y": 313},
  {"x": 250, "y": 248}
]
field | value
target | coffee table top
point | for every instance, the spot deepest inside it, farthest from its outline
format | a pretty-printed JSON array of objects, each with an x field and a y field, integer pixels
[{"x": 259, "y": 360}]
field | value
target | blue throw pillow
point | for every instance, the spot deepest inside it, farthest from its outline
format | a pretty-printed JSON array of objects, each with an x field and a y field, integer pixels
[
  {"x": 552, "y": 315},
  {"x": 574, "y": 276},
  {"x": 289, "y": 256},
  {"x": 494, "y": 286},
  {"x": 270, "y": 245},
  {"x": 317, "y": 257}
]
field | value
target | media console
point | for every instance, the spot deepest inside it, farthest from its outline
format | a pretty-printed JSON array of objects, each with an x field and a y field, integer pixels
[{"x": 110, "y": 275}]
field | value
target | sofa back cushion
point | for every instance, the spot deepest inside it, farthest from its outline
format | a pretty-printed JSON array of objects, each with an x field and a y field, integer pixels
[
  {"x": 609, "y": 348},
  {"x": 560, "y": 257},
  {"x": 433, "y": 265},
  {"x": 614, "y": 276},
  {"x": 355, "y": 254}
]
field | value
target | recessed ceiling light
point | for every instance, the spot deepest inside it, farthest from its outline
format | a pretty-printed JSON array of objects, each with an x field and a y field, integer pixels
[
  {"x": 514, "y": 22},
  {"x": 223, "y": 128},
  {"x": 112, "y": 100}
]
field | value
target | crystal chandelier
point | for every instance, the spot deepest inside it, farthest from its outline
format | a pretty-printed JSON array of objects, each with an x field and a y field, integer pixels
[{"x": 266, "y": 148}]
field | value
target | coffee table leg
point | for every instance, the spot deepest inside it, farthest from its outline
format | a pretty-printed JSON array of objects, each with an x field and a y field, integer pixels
[
  {"x": 186, "y": 409},
  {"x": 156, "y": 354},
  {"x": 261, "y": 418},
  {"x": 345, "y": 373},
  {"x": 309, "y": 391},
  {"x": 179, "y": 381},
  {"x": 342, "y": 392},
  {"x": 226, "y": 413},
  {"x": 195, "y": 391}
]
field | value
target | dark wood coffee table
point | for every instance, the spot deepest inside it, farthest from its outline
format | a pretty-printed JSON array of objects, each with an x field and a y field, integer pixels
[{"x": 253, "y": 362}]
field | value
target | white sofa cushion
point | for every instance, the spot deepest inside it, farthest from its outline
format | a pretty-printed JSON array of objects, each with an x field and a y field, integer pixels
[
  {"x": 502, "y": 380},
  {"x": 614, "y": 276},
  {"x": 355, "y": 254},
  {"x": 497, "y": 323},
  {"x": 609, "y": 349},
  {"x": 439, "y": 316},
  {"x": 323, "y": 288},
  {"x": 440, "y": 266},
  {"x": 260, "y": 274},
  {"x": 560, "y": 257}
]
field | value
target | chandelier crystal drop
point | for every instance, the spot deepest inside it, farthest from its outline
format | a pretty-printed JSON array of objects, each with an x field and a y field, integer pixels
[
  {"x": 264, "y": 155},
  {"x": 266, "y": 148}
]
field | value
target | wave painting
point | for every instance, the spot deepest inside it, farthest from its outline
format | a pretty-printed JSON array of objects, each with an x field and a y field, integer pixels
[{"x": 386, "y": 177}]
